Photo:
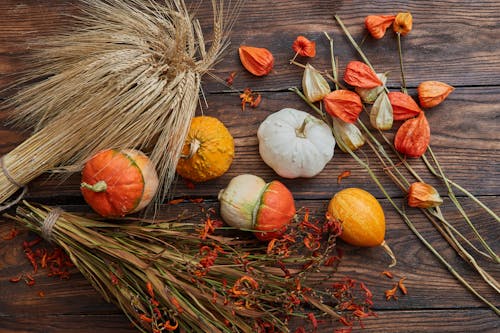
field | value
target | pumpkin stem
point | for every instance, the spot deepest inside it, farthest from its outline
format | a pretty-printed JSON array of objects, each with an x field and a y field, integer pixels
[
  {"x": 194, "y": 145},
  {"x": 300, "y": 132},
  {"x": 100, "y": 186},
  {"x": 388, "y": 250}
]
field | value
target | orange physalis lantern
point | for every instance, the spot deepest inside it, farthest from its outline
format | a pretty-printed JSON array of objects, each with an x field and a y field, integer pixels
[
  {"x": 423, "y": 195},
  {"x": 403, "y": 23},
  {"x": 359, "y": 74},
  {"x": 413, "y": 137},
  {"x": 432, "y": 93},
  {"x": 343, "y": 104},
  {"x": 257, "y": 60},
  {"x": 378, "y": 24},
  {"x": 403, "y": 106},
  {"x": 304, "y": 47}
]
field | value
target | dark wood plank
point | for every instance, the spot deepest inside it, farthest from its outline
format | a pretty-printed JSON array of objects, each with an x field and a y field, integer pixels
[
  {"x": 462, "y": 138},
  {"x": 387, "y": 321},
  {"x": 452, "y": 41},
  {"x": 430, "y": 285}
]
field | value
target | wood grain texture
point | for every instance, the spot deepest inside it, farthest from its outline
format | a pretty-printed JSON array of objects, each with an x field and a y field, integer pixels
[{"x": 452, "y": 41}]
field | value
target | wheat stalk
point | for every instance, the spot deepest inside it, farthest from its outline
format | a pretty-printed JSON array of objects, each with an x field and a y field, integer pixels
[{"x": 127, "y": 77}]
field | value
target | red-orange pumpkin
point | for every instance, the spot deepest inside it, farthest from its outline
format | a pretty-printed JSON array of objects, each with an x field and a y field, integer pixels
[
  {"x": 116, "y": 183},
  {"x": 276, "y": 210}
]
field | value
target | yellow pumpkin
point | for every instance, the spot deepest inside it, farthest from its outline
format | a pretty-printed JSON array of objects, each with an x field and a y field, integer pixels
[
  {"x": 208, "y": 150},
  {"x": 362, "y": 217}
]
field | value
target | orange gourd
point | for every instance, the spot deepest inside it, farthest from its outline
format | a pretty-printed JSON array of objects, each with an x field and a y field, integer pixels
[
  {"x": 362, "y": 218},
  {"x": 118, "y": 182},
  {"x": 208, "y": 150}
]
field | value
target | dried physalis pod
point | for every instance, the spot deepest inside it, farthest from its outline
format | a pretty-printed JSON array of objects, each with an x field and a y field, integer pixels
[
  {"x": 359, "y": 74},
  {"x": 423, "y": 195},
  {"x": 413, "y": 137},
  {"x": 403, "y": 23},
  {"x": 403, "y": 106},
  {"x": 378, "y": 24},
  {"x": 381, "y": 113},
  {"x": 344, "y": 104},
  {"x": 432, "y": 93},
  {"x": 314, "y": 84},
  {"x": 257, "y": 60},
  {"x": 348, "y": 135}
]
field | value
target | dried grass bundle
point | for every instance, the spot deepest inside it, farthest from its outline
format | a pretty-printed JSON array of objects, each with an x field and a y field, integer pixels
[
  {"x": 127, "y": 77},
  {"x": 182, "y": 274}
]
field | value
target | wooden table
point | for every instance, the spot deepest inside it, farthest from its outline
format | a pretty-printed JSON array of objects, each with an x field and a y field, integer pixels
[{"x": 452, "y": 41}]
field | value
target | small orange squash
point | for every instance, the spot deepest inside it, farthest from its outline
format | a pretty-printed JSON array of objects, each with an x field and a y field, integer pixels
[
  {"x": 362, "y": 218},
  {"x": 208, "y": 150},
  {"x": 249, "y": 203},
  {"x": 118, "y": 182}
]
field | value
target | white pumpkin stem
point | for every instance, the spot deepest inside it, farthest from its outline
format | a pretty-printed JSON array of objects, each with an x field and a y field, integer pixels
[
  {"x": 100, "y": 186},
  {"x": 194, "y": 145},
  {"x": 300, "y": 132},
  {"x": 388, "y": 250}
]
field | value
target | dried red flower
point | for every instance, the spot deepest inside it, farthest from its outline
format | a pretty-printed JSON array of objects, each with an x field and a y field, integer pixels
[
  {"x": 304, "y": 47},
  {"x": 413, "y": 137},
  {"x": 343, "y": 104},
  {"x": 432, "y": 93},
  {"x": 403, "y": 23},
  {"x": 358, "y": 74},
  {"x": 378, "y": 24},
  {"x": 251, "y": 98},
  {"x": 403, "y": 106}
]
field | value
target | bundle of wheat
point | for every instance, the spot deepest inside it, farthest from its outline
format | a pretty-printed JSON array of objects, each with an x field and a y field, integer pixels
[{"x": 127, "y": 77}]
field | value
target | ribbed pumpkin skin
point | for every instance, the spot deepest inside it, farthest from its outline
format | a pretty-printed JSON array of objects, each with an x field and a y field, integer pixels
[
  {"x": 214, "y": 155},
  {"x": 130, "y": 178},
  {"x": 275, "y": 212},
  {"x": 362, "y": 217}
]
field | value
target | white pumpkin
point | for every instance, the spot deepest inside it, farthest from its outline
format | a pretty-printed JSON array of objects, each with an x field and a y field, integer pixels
[{"x": 295, "y": 144}]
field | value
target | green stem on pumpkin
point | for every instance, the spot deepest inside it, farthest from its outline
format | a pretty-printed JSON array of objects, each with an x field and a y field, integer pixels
[{"x": 100, "y": 186}]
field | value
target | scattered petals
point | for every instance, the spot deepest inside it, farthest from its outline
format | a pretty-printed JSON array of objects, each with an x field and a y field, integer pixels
[
  {"x": 343, "y": 174},
  {"x": 391, "y": 293},
  {"x": 230, "y": 78},
  {"x": 402, "y": 286},
  {"x": 388, "y": 274}
]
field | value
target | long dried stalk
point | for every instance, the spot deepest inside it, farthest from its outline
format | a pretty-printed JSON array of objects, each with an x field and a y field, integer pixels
[
  {"x": 127, "y": 77},
  {"x": 166, "y": 273}
]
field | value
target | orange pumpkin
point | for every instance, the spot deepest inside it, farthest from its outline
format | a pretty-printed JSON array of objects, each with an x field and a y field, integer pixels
[
  {"x": 276, "y": 211},
  {"x": 116, "y": 183},
  {"x": 208, "y": 150},
  {"x": 362, "y": 218}
]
